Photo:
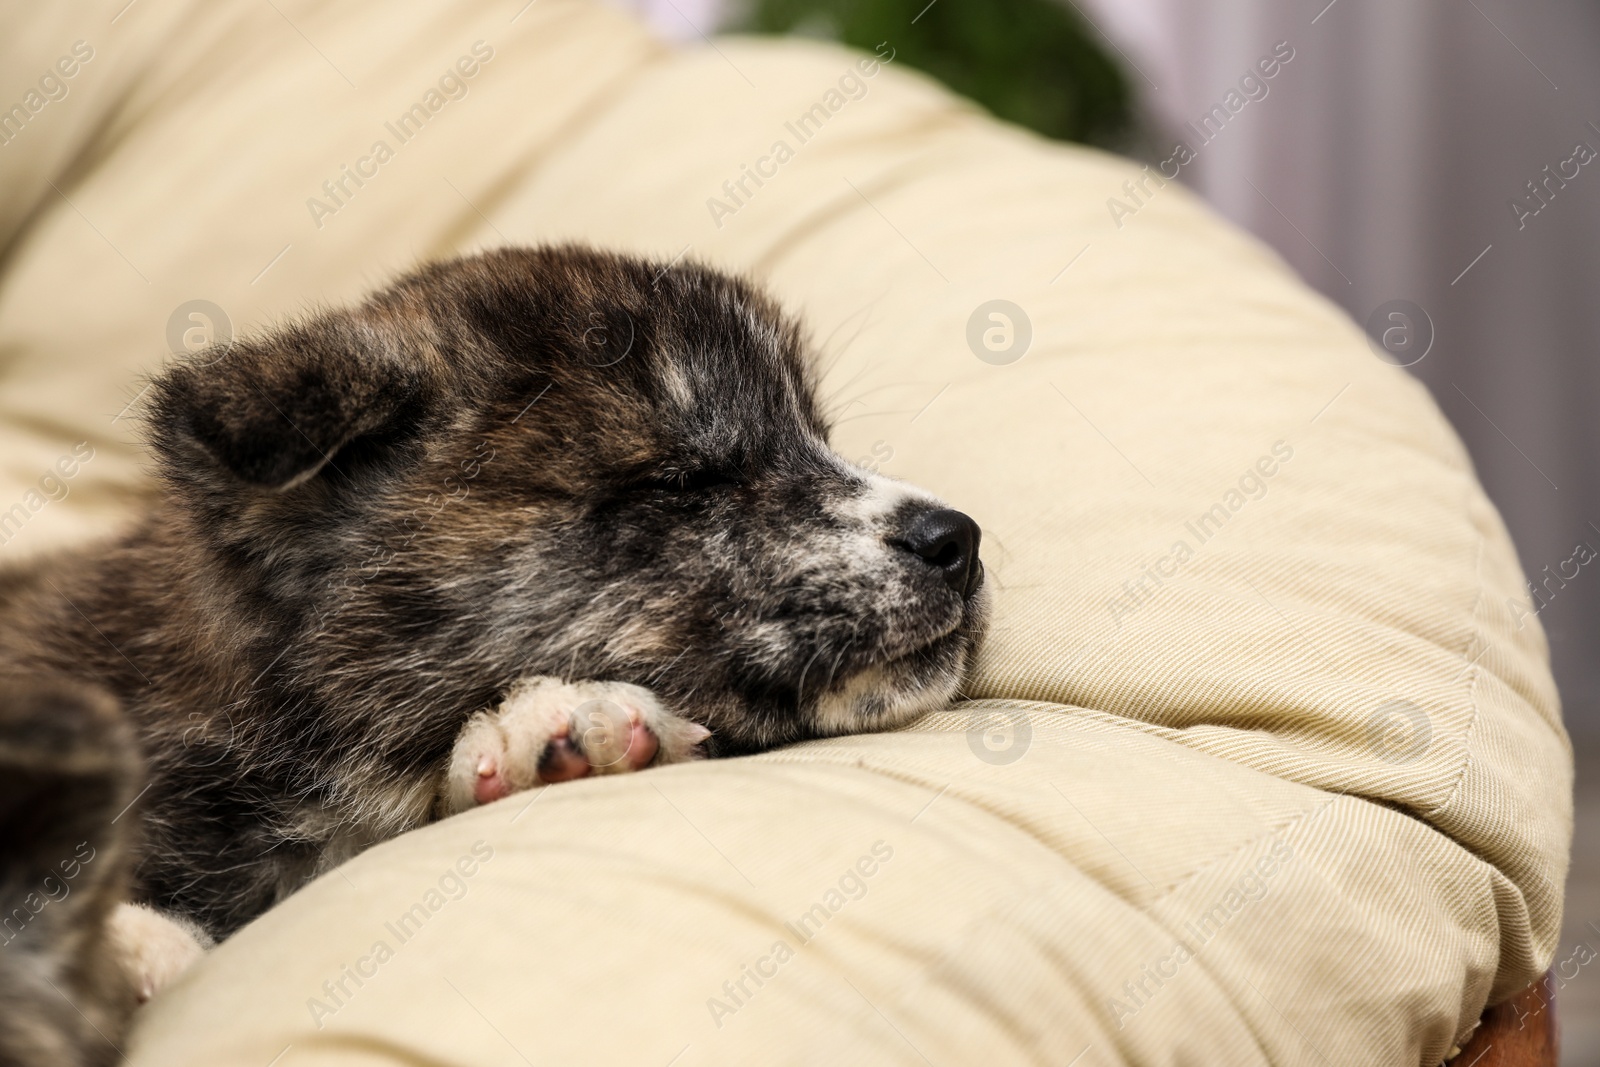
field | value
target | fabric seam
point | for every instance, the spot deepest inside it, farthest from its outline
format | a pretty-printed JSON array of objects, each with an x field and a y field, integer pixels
[{"x": 1476, "y": 639}]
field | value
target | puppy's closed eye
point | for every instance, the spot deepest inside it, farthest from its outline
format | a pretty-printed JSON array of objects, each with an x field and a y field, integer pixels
[{"x": 696, "y": 480}]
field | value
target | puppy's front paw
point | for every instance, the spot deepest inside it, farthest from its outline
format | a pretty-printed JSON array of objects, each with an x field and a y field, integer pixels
[
  {"x": 548, "y": 731},
  {"x": 152, "y": 948}
]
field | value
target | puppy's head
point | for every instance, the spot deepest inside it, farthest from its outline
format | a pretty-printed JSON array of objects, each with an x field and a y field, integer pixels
[{"x": 564, "y": 462}]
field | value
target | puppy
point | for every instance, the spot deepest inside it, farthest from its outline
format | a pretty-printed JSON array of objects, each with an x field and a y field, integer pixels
[{"x": 516, "y": 519}]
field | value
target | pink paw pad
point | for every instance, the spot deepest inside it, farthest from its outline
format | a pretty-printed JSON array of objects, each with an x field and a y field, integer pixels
[
  {"x": 642, "y": 746},
  {"x": 562, "y": 762}
]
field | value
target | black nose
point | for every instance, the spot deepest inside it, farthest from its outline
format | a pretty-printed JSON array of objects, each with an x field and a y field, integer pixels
[{"x": 948, "y": 541}]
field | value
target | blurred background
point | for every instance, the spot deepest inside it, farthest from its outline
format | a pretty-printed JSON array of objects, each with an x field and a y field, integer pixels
[{"x": 1432, "y": 166}]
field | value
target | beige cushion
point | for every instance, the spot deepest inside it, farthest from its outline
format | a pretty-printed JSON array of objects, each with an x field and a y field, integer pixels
[{"x": 1295, "y": 792}]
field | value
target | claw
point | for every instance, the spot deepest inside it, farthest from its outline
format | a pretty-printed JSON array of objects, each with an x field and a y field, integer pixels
[{"x": 490, "y": 784}]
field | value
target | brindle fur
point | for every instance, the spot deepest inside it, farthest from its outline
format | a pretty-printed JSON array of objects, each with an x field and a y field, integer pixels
[
  {"x": 376, "y": 521},
  {"x": 67, "y": 769}
]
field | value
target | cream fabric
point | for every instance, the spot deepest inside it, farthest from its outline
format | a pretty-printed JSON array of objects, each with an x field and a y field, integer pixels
[{"x": 1295, "y": 793}]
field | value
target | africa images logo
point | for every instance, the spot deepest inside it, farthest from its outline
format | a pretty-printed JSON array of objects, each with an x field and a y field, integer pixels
[
  {"x": 1000, "y": 736},
  {"x": 1400, "y": 332},
  {"x": 999, "y": 332},
  {"x": 1399, "y": 732}
]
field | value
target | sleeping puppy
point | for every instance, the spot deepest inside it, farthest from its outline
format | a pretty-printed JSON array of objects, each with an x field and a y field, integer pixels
[{"x": 517, "y": 519}]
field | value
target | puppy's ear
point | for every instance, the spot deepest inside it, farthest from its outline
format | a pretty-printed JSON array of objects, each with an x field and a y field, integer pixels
[{"x": 274, "y": 411}]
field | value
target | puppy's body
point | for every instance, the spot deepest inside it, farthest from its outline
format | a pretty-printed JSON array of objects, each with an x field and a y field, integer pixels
[{"x": 378, "y": 524}]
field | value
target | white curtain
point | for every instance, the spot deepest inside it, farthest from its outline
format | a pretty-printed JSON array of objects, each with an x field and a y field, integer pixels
[{"x": 1382, "y": 164}]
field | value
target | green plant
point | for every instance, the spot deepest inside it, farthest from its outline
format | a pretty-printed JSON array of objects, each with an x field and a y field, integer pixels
[{"x": 1031, "y": 62}]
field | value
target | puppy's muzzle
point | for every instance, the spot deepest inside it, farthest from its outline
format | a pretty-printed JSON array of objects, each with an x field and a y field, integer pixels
[{"x": 947, "y": 541}]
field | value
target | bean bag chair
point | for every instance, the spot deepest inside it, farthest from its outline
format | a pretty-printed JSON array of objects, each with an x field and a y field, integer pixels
[{"x": 1262, "y": 762}]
